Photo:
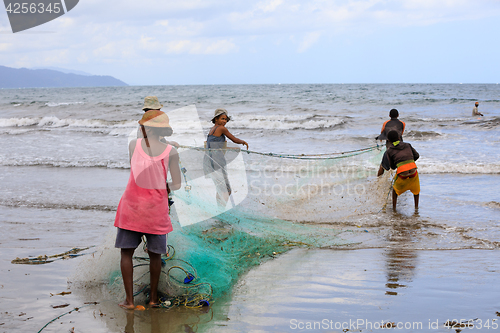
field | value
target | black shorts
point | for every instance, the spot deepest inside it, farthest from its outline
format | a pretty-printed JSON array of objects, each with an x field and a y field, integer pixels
[{"x": 127, "y": 239}]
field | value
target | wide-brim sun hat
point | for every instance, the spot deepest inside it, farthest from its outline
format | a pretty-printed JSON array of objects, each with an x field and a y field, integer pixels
[
  {"x": 151, "y": 103},
  {"x": 219, "y": 112},
  {"x": 155, "y": 118}
]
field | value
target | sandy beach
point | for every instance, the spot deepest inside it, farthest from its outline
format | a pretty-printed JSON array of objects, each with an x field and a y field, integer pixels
[
  {"x": 396, "y": 270},
  {"x": 301, "y": 291}
]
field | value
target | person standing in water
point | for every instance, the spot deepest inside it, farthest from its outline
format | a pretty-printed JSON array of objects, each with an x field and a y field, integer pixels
[
  {"x": 215, "y": 162},
  {"x": 394, "y": 124},
  {"x": 144, "y": 208},
  {"x": 401, "y": 156},
  {"x": 475, "y": 111}
]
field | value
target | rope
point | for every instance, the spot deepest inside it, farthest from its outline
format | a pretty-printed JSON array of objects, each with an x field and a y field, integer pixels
[
  {"x": 311, "y": 155},
  {"x": 75, "y": 309},
  {"x": 297, "y": 156}
]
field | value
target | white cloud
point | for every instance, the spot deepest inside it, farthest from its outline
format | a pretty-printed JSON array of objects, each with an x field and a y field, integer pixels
[
  {"x": 65, "y": 22},
  {"x": 55, "y": 58},
  {"x": 220, "y": 47},
  {"x": 149, "y": 43},
  {"x": 177, "y": 28},
  {"x": 330, "y": 16},
  {"x": 106, "y": 51},
  {"x": 130, "y": 32},
  {"x": 200, "y": 47},
  {"x": 5, "y": 46},
  {"x": 309, "y": 40},
  {"x": 186, "y": 46},
  {"x": 269, "y": 5},
  {"x": 225, "y": 18},
  {"x": 83, "y": 58}
]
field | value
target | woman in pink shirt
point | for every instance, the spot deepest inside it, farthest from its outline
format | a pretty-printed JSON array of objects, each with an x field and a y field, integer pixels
[{"x": 143, "y": 208}]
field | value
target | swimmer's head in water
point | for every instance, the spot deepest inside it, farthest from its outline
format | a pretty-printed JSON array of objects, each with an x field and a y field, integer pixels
[
  {"x": 393, "y": 136},
  {"x": 393, "y": 113}
]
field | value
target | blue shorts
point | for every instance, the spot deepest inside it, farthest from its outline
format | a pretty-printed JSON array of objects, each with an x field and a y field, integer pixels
[{"x": 127, "y": 239}]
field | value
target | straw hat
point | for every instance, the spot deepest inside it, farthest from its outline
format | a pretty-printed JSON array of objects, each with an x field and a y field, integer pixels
[
  {"x": 151, "y": 103},
  {"x": 219, "y": 112},
  {"x": 155, "y": 118}
]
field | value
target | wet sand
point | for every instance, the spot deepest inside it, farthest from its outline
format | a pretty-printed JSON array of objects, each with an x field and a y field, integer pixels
[
  {"x": 304, "y": 290},
  {"x": 411, "y": 269},
  {"x": 361, "y": 290}
]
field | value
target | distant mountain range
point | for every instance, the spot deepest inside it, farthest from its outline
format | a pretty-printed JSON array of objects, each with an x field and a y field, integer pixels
[
  {"x": 44, "y": 78},
  {"x": 64, "y": 70}
]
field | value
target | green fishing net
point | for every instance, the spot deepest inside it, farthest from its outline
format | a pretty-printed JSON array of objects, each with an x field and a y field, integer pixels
[{"x": 277, "y": 202}]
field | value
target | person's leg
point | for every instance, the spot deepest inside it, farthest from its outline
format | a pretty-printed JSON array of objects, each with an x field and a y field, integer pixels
[
  {"x": 222, "y": 196},
  {"x": 416, "y": 190},
  {"x": 157, "y": 244},
  {"x": 220, "y": 190},
  {"x": 223, "y": 188},
  {"x": 154, "y": 272},
  {"x": 394, "y": 199},
  {"x": 222, "y": 199},
  {"x": 127, "y": 269}
]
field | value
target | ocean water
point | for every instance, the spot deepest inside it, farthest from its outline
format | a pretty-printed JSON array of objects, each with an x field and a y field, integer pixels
[{"x": 64, "y": 166}]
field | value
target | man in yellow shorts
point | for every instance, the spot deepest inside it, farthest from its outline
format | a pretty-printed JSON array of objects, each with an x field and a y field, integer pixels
[{"x": 401, "y": 156}]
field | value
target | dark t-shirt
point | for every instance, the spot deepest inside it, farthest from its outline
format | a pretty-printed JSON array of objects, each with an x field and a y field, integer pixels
[
  {"x": 390, "y": 125},
  {"x": 394, "y": 155}
]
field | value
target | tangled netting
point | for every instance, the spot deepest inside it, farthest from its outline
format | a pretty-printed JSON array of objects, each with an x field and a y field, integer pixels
[
  {"x": 236, "y": 209},
  {"x": 277, "y": 202}
]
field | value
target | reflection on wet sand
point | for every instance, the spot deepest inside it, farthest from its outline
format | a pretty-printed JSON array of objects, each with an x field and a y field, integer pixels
[
  {"x": 163, "y": 320},
  {"x": 401, "y": 256},
  {"x": 154, "y": 320}
]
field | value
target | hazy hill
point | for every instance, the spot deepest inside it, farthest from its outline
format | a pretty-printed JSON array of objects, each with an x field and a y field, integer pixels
[
  {"x": 37, "y": 78},
  {"x": 63, "y": 70}
]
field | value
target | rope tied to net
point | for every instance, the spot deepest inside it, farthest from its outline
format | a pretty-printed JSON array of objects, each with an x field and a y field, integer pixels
[{"x": 325, "y": 156}]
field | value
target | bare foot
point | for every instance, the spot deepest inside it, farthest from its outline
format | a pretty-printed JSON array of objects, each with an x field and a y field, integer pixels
[
  {"x": 126, "y": 305},
  {"x": 154, "y": 305}
]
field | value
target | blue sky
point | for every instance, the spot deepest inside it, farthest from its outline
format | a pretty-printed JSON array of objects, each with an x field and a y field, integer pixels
[{"x": 269, "y": 41}]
